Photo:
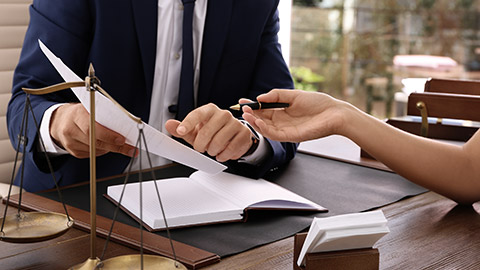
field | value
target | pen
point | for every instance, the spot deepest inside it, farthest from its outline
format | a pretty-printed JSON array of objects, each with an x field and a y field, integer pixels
[{"x": 259, "y": 106}]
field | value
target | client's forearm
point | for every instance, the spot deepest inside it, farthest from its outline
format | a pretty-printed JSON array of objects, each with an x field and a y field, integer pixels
[{"x": 450, "y": 170}]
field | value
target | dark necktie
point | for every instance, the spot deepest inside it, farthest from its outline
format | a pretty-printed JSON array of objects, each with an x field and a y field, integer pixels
[{"x": 185, "y": 95}]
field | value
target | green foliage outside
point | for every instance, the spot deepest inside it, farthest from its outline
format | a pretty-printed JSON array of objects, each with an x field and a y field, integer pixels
[
  {"x": 305, "y": 79},
  {"x": 344, "y": 42},
  {"x": 308, "y": 3}
]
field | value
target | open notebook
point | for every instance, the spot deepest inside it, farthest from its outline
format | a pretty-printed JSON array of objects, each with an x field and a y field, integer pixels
[{"x": 204, "y": 198}]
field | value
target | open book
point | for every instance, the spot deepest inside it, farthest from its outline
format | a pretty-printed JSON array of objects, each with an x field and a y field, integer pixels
[
  {"x": 205, "y": 198},
  {"x": 349, "y": 231}
]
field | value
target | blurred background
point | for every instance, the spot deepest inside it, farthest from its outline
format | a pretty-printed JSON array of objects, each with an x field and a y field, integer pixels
[{"x": 373, "y": 53}]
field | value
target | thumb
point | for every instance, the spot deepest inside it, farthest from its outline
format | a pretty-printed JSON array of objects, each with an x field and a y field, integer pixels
[
  {"x": 276, "y": 95},
  {"x": 172, "y": 126}
]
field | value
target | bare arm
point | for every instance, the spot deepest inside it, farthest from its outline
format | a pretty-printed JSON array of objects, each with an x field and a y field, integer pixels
[{"x": 450, "y": 170}]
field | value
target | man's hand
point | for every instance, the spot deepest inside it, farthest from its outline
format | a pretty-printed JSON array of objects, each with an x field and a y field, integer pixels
[
  {"x": 69, "y": 129},
  {"x": 212, "y": 130}
]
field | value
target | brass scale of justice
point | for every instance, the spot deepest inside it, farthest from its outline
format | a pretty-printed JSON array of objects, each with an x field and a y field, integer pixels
[{"x": 29, "y": 227}]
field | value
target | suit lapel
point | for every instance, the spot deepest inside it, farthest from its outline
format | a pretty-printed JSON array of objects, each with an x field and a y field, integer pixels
[
  {"x": 215, "y": 33},
  {"x": 145, "y": 17}
]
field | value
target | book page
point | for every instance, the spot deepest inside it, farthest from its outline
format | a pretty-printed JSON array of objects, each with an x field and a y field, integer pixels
[
  {"x": 245, "y": 192},
  {"x": 205, "y": 198},
  {"x": 348, "y": 231},
  {"x": 185, "y": 202},
  {"x": 349, "y": 239}
]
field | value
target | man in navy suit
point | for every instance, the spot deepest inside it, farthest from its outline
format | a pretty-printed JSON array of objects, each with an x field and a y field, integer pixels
[{"x": 133, "y": 45}]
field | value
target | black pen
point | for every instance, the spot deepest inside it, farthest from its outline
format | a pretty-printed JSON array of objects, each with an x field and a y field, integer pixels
[{"x": 259, "y": 106}]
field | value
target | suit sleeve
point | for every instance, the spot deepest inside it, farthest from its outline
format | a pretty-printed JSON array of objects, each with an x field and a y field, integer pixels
[
  {"x": 60, "y": 26},
  {"x": 270, "y": 72}
]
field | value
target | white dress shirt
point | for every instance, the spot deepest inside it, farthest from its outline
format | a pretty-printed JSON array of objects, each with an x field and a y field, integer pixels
[
  {"x": 168, "y": 63},
  {"x": 166, "y": 80}
]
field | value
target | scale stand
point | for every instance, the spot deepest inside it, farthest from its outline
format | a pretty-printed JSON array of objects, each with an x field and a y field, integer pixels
[
  {"x": 29, "y": 227},
  {"x": 92, "y": 84},
  {"x": 145, "y": 261}
]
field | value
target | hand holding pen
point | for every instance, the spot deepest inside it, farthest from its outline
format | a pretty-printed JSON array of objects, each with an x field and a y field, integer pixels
[
  {"x": 260, "y": 105},
  {"x": 309, "y": 115}
]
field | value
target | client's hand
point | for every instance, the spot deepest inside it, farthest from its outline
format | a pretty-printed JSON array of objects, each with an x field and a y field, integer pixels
[
  {"x": 310, "y": 115},
  {"x": 212, "y": 130},
  {"x": 69, "y": 129}
]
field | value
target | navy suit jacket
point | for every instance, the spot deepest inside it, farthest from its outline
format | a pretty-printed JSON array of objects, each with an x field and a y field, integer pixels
[{"x": 240, "y": 57}]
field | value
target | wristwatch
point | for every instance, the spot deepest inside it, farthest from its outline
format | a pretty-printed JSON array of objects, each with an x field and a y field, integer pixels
[{"x": 255, "y": 139}]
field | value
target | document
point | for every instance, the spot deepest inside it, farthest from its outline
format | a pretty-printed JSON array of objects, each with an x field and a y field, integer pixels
[
  {"x": 204, "y": 198},
  {"x": 111, "y": 116},
  {"x": 350, "y": 231},
  {"x": 335, "y": 146},
  {"x": 339, "y": 148}
]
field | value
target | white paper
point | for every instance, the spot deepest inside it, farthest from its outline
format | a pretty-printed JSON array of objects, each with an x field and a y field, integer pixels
[{"x": 114, "y": 118}]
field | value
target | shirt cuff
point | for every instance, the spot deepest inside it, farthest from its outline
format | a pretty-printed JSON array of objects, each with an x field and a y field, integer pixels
[
  {"x": 262, "y": 150},
  {"x": 50, "y": 147}
]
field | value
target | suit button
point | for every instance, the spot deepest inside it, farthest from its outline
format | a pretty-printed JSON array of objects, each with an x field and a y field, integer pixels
[{"x": 173, "y": 108}]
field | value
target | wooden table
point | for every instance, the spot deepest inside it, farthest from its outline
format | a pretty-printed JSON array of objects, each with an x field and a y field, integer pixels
[{"x": 428, "y": 231}]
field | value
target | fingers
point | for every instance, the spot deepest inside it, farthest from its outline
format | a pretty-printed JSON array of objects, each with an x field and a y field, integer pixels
[
  {"x": 230, "y": 142},
  {"x": 247, "y": 109},
  {"x": 69, "y": 128},
  {"x": 171, "y": 125},
  {"x": 199, "y": 115},
  {"x": 65, "y": 131},
  {"x": 259, "y": 125},
  {"x": 266, "y": 130},
  {"x": 218, "y": 123},
  {"x": 244, "y": 100},
  {"x": 214, "y": 131},
  {"x": 256, "y": 118},
  {"x": 250, "y": 117},
  {"x": 278, "y": 95},
  {"x": 108, "y": 140}
]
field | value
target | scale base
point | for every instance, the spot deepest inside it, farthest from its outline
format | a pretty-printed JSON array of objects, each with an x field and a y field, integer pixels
[
  {"x": 131, "y": 262},
  {"x": 30, "y": 227},
  {"x": 89, "y": 264}
]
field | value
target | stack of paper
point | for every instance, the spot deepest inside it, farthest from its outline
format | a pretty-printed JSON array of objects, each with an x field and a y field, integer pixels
[{"x": 351, "y": 231}]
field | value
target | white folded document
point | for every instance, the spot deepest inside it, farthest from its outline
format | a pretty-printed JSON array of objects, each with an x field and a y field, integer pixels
[{"x": 111, "y": 116}]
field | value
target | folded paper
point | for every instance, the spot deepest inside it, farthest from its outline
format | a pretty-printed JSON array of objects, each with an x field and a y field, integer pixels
[{"x": 113, "y": 117}]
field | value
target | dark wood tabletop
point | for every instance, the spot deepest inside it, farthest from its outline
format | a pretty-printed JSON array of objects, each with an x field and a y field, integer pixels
[{"x": 428, "y": 231}]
